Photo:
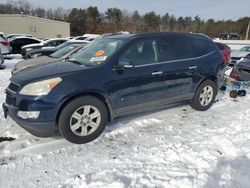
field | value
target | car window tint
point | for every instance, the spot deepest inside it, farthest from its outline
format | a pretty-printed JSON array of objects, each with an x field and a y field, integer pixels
[
  {"x": 220, "y": 46},
  {"x": 59, "y": 42},
  {"x": 19, "y": 41},
  {"x": 141, "y": 53},
  {"x": 30, "y": 41},
  {"x": 173, "y": 49},
  {"x": 200, "y": 47},
  {"x": 51, "y": 43}
]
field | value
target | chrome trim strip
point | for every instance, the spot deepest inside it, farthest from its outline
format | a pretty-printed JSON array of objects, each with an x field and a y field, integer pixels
[{"x": 194, "y": 58}]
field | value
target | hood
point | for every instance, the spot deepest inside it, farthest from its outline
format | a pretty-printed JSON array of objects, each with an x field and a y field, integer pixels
[
  {"x": 44, "y": 49},
  {"x": 48, "y": 47},
  {"x": 31, "y": 63},
  {"x": 239, "y": 54},
  {"x": 51, "y": 70},
  {"x": 32, "y": 45}
]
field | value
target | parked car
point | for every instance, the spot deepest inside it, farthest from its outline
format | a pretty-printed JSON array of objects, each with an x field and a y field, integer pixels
[
  {"x": 17, "y": 42},
  {"x": 47, "y": 43},
  {"x": 229, "y": 36},
  {"x": 241, "y": 70},
  {"x": 4, "y": 44},
  {"x": 10, "y": 36},
  {"x": 49, "y": 50},
  {"x": 1, "y": 60},
  {"x": 225, "y": 51},
  {"x": 115, "y": 76},
  {"x": 59, "y": 55},
  {"x": 238, "y": 55},
  {"x": 88, "y": 37}
]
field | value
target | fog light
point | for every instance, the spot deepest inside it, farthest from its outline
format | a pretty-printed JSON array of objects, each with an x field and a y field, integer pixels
[{"x": 28, "y": 114}]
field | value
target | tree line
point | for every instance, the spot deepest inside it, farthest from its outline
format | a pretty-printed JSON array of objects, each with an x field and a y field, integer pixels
[{"x": 91, "y": 20}]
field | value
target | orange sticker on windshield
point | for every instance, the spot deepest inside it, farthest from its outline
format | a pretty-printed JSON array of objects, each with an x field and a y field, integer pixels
[{"x": 99, "y": 53}]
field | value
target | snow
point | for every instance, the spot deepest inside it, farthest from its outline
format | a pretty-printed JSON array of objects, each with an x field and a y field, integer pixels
[{"x": 176, "y": 147}]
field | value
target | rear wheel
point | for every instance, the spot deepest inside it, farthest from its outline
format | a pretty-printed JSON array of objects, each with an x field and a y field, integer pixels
[
  {"x": 83, "y": 119},
  {"x": 204, "y": 96}
]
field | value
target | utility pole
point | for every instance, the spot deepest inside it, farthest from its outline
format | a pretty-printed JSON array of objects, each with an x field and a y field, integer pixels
[{"x": 248, "y": 27}]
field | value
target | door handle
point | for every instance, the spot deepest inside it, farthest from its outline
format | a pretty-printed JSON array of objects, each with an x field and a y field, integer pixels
[
  {"x": 157, "y": 73},
  {"x": 192, "y": 67}
]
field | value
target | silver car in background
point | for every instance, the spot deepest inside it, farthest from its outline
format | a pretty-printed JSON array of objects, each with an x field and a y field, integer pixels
[{"x": 239, "y": 55}]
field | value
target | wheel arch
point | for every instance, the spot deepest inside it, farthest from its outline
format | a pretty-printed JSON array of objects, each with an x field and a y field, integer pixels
[
  {"x": 99, "y": 96},
  {"x": 208, "y": 77}
]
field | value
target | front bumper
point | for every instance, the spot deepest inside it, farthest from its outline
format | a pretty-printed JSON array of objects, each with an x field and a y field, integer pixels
[{"x": 37, "y": 128}]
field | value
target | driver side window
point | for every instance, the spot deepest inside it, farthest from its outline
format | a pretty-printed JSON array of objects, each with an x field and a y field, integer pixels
[{"x": 141, "y": 53}]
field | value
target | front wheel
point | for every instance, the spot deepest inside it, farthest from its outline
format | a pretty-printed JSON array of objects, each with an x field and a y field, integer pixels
[
  {"x": 204, "y": 96},
  {"x": 83, "y": 119}
]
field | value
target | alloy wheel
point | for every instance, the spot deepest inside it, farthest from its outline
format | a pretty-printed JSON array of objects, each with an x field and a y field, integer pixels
[
  {"x": 206, "y": 95},
  {"x": 85, "y": 120}
]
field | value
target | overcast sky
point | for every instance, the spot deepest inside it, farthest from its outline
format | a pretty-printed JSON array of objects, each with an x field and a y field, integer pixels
[{"x": 216, "y": 9}]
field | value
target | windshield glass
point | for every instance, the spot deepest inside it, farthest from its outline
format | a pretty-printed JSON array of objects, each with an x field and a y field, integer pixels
[
  {"x": 245, "y": 49},
  {"x": 97, "y": 51},
  {"x": 61, "y": 52}
]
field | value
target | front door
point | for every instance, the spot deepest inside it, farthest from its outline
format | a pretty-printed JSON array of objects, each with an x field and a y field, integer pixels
[{"x": 137, "y": 88}]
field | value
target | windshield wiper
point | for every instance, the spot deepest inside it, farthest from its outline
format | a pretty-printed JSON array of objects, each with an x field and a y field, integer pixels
[{"x": 75, "y": 61}]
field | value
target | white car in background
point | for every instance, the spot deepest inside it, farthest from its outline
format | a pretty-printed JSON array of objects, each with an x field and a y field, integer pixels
[
  {"x": 88, "y": 37},
  {"x": 4, "y": 44},
  {"x": 240, "y": 54}
]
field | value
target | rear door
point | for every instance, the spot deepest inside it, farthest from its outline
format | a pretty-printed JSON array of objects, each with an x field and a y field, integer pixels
[{"x": 178, "y": 67}]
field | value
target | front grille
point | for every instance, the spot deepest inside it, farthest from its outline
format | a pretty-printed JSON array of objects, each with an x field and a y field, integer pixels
[
  {"x": 236, "y": 58},
  {"x": 245, "y": 71},
  {"x": 13, "y": 87},
  {"x": 10, "y": 100}
]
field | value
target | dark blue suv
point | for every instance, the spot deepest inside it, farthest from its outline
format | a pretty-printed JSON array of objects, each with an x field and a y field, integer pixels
[{"x": 115, "y": 76}]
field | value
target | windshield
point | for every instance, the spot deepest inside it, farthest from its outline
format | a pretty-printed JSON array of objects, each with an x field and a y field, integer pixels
[
  {"x": 245, "y": 49},
  {"x": 97, "y": 51},
  {"x": 61, "y": 52}
]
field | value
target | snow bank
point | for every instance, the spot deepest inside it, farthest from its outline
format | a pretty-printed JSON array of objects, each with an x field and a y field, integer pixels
[{"x": 173, "y": 148}]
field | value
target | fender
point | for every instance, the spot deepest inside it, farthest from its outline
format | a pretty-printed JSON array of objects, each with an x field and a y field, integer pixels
[{"x": 98, "y": 94}]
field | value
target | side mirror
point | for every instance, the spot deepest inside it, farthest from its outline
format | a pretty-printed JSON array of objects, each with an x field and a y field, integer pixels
[{"x": 125, "y": 64}]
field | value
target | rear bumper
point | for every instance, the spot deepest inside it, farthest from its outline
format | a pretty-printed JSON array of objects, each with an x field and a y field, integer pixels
[{"x": 40, "y": 129}]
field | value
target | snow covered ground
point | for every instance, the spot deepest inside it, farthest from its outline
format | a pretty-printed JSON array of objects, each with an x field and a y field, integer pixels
[{"x": 173, "y": 148}]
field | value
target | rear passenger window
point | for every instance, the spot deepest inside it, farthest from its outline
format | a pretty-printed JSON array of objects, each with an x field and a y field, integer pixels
[
  {"x": 141, "y": 53},
  {"x": 173, "y": 49}
]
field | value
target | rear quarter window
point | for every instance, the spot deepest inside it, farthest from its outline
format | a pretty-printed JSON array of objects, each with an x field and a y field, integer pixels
[
  {"x": 200, "y": 47},
  {"x": 220, "y": 46}
]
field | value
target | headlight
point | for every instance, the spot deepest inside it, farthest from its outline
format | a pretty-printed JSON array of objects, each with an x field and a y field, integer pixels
[
  {"x": 40, "y": 88},
  {"x": 28, "y": 49},
  {"x": 36, "y": 55}
]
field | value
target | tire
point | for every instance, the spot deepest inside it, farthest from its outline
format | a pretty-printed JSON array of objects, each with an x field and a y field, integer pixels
[
  {"x": 83, "y": 119},
  {"x": 204, "y": 102}
]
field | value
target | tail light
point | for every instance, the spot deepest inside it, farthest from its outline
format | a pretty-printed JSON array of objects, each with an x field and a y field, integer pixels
[
  {"x": 5, "y": 43},
  {"x": 235, "y": 74}
]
